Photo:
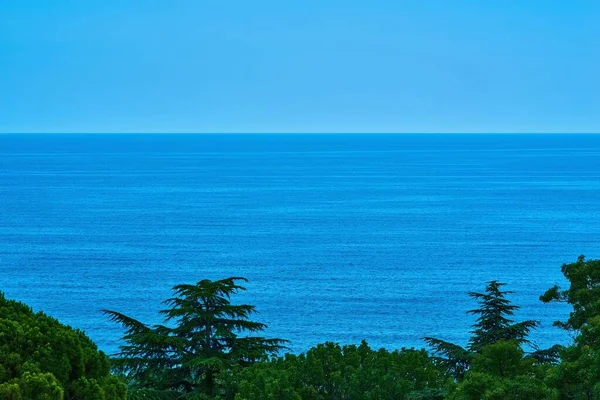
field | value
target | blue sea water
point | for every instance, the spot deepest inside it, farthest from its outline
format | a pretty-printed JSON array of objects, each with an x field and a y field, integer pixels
[{"x": 343, "y": 237}]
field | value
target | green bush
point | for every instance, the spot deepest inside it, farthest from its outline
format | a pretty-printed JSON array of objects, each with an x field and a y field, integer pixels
[
  {"x": 331, "y": 371},
  {"x": 41, "y": 359}
]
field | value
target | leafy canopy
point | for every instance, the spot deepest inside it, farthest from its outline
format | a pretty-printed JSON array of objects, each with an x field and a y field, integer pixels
[
  {"x": 43, "y": 359},
  {"x": 203, "y": 336},
  {"x": 578, "y": 374},
  {"x": 583, "y": 292},
  {"x": 330, "y": 371}
]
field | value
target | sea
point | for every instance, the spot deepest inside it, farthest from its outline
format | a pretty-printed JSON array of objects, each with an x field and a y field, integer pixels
[{"x": 342, "y": 237}]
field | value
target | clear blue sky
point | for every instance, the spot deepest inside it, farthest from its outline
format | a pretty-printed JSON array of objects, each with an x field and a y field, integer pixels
[{"x": 299, "y": 66}]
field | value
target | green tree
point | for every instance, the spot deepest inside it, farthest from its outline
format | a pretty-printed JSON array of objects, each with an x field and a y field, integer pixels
[
  {"x": 204, "y": 339},
  {"x": 583, "y": 293},
  {"x": 501, "y": 371},
  {"x": 493, "y": 324},
  {"x": 578, "y": 374},
  {"x": 43, "y": 359},
  {"x": 330, "y": 371}
]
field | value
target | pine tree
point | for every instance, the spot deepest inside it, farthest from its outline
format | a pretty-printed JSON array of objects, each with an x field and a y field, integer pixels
[
  {"x": 493, "y": 324},
  {"x": 201, "y": 338}
]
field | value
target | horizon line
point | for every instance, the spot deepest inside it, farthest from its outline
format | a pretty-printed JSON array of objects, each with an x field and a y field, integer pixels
[{"x": 297, "y": 133}]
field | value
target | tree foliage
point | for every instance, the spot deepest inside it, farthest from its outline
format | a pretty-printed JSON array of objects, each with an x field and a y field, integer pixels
[
  {"x": 577, "y": 376},
  {"x": 43, "y": 359},
  {"x": 493, "y": 322},
  {"x": 492, "y": 325},
  {"x": 583, "y": 293},
  {"x": 501, "y": 371},
  {"x": 203, "y": 336},
  {"x": 331, "y": 371}
]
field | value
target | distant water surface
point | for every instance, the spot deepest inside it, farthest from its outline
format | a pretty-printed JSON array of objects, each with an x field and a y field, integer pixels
[{"x": 343, "y": 237}]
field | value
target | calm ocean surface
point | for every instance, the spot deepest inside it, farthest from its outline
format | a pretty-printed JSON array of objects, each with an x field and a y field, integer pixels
[{"x": 343, "y": 237}]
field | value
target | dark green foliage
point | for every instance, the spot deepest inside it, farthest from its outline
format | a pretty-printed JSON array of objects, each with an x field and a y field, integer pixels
[
  {"x": 583, "y": 292},
  {"x": 500, "y": 371},
  {"x": 577, "y": 376},
  {"x": 43, "y": 359},
  {"x": 452, "y": 358},
  {"x": 330, "y": 371},
  {"x": 40, "y": 386},
  {"x": 546, "y": 356},
  {"x": 184, "y": 359},
  {"x": 493, "y": 325}
]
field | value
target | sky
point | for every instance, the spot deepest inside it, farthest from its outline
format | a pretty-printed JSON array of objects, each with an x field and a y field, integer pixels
[{"x": 299, "y": 66}]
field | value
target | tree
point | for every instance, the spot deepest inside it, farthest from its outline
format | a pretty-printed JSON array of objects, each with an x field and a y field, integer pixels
[
  {"x": 583, "y": 292},
  {"x": 492, "y": 325},
  {"x": 204, "y": 339},
  {"x": 41, "y": 359},
  {"x": 500, "y": 371},
  {"x": 578, "y": 374},
  {"x": 330, "y": 371}
]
